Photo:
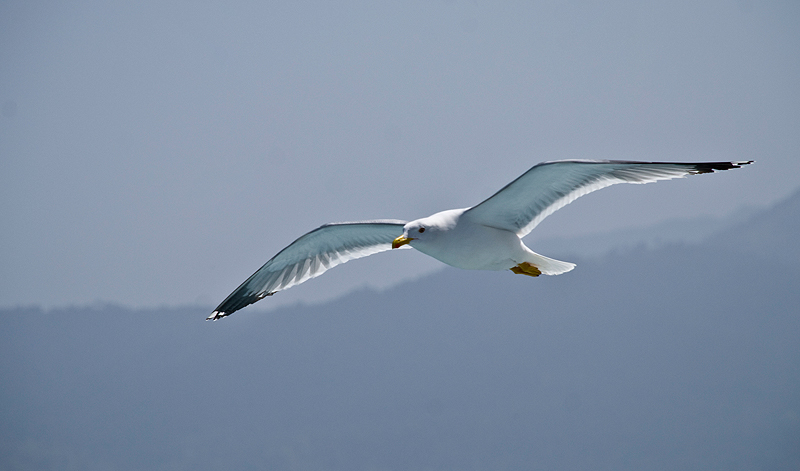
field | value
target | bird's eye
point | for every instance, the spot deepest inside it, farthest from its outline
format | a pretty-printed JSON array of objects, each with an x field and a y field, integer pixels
[{"x": 421, "y": 230}]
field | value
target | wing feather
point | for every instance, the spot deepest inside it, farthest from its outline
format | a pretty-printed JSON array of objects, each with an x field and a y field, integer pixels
[
  {"x": 549, "y": 186},
  {"x": 310, "y": 256}
]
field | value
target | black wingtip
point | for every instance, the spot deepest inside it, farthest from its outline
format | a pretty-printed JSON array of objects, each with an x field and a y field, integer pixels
[
  {"x": 710, "y": 167},
  {"x": 234, "y": 302},
  {"x": 216, "y": 315}
]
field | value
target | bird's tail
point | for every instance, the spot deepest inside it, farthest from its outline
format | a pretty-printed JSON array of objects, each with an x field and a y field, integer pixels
[{"x": 549, "y": 266}]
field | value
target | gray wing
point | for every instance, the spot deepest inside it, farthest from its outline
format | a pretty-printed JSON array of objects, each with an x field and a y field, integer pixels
[
  {"x": 546, "y": 187},
  {"x": 310, "y": 256}
]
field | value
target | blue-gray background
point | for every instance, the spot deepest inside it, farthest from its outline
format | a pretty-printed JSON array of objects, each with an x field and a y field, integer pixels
[
  {"x": 153, "y": 155},
  {"x": 157, "y": 153},
  {"x": 683, "y": 356}
]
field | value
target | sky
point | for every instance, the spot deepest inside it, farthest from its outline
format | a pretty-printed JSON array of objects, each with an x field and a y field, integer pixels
[{"x": 158, "y": 153}]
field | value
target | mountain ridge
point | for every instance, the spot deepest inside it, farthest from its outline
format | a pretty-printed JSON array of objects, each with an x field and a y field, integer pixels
[{"x": 679, "y": 357}]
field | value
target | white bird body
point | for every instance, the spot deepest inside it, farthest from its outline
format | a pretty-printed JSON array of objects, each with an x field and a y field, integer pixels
[
  {"x": 484, "y": 237},
  {"x": 456, "y": 241},
  {"x": 453, "y": 238}
]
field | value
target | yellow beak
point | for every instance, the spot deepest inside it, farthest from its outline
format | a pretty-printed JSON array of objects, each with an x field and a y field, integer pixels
[{"x": 401, "y": 241}]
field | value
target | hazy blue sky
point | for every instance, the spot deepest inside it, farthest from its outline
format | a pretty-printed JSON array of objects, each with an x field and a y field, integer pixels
[{"x": 158, "y": 153}]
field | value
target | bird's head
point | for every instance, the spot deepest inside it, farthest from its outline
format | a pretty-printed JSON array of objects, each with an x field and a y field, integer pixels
[
  {"x": 427, "y": 229},
  {"x": 414, "y": 230}
]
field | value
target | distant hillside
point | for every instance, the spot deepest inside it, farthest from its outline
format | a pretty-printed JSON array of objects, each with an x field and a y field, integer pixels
[
  {"x": 671, "y": 232},
  {"x": 686, "y": 357},
  {"x": 773, "y": 234}
]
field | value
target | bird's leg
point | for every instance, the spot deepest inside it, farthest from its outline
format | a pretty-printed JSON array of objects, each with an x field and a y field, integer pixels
[{"x": 526, "y": 268}]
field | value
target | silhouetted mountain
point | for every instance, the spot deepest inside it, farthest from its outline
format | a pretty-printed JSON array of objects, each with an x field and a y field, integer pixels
[
  {"x": 671, "y": 232},
  {"x": 772, "y": 234},
  {"x": 686, "y": 357}
]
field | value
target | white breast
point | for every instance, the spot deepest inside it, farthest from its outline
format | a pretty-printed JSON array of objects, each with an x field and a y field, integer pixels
[{"x": 474, "y": 247}]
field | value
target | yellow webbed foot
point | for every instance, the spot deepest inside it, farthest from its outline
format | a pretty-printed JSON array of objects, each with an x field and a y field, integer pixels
[{"x": 526, "y": 268}]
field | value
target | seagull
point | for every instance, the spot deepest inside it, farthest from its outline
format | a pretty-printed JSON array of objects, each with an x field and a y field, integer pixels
[{"x": 487, "y": 236}]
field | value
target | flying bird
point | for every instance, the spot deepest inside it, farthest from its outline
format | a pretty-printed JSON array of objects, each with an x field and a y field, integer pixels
[{"x": 487, "y": 236}]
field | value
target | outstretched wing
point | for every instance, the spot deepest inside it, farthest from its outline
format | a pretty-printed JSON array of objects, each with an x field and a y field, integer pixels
[
  {"x": 546, "y": 187},
  {"x": 310, "y": 256}
]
